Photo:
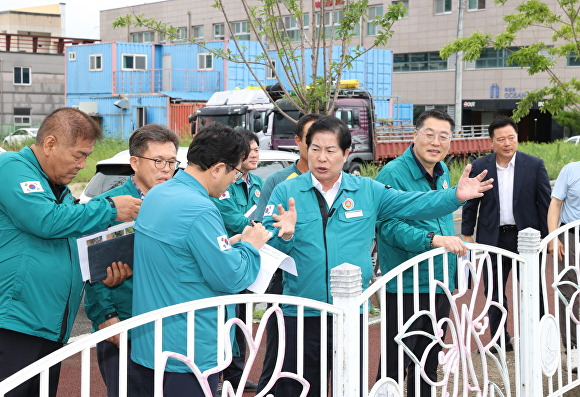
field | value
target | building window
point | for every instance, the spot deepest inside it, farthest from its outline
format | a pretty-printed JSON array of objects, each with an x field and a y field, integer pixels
[
  {"x": 332, "y": 20},
  {"x": 21, "y": 75},
  {"x": 418, "y": 61},
  {"x": 442, "y": 6},
  {"x": 374, "y": 12},
  {"x": 197, "y": 32},
  {"x": 142, "y": 37},
  {"x": 205, "y": 61},
  {"x": 491, "y": 58},
  {"x": 181, "y": 35},
  {"x": 134, "y": 62},
  {"x": 405, "y": 5},
  {"x": 218, "y": 31},
  {"x": 95, "y": 62},
  {"x": 476, "y": 5},
  {"x": 22, "y": 116},
  {"x": 270, "y": 70},
  {"x": 291, "y": 27},
  {"x": 573, "y": 60},
  {"x": 72, "y": 56},
  {"x": 240, "y": 30}
]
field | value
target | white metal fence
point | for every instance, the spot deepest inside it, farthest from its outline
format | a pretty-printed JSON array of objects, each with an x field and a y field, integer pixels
[{"x": 537, "y": 366}]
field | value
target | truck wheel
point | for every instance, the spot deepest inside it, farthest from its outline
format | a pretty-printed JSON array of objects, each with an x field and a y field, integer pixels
[{"x": 354, "y": 168}]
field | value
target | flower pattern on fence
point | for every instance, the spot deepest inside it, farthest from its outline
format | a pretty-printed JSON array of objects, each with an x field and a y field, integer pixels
[
  {"x": 253, "y": 346},
  {"x": 466, "y": 326}
]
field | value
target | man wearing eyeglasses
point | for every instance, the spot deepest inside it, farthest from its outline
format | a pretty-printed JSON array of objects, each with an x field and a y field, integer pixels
[
  {"x": 153, "y": 149},
  {"x": 420, "y": 168},
  {"x": 520, "y": 200},
  {"x": 237, "y": 206},
  {"x": 183, "y": 253}
]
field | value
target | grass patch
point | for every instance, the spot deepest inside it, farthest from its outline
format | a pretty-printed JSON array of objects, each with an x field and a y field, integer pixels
[{"x": 104, "y": 149}]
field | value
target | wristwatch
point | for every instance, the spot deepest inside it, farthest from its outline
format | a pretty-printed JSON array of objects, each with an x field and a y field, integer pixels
[
  {"x": 431, "y": 236},
  {"x": 111, "y": 202},
  {"x": 111, "y": 315}
]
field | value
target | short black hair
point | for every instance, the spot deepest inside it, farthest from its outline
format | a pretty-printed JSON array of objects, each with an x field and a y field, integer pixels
[
  {"x": 499, "y": 122},
  {"x": 307, "y": 118},
  {"x": 217, "y": 143},
  {"x": 139, "y": 140},
  {"x": 334, "y": 125},
  {"x": 248, "y": 135},
  {"x": 436, "y": 114}
]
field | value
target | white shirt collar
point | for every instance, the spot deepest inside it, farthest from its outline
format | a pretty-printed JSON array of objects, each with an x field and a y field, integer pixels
[
  {"x": 511, "y": 164},
  {"x": 331, "y": 193}
]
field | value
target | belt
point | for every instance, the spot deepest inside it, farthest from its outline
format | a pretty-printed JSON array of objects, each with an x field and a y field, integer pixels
[{"x": 508, "y": 228}]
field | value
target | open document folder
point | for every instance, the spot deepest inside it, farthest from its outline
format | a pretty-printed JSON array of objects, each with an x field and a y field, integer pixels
[
  {"x": 99, "y": 250},
  {"x": 270, "y": 260}
]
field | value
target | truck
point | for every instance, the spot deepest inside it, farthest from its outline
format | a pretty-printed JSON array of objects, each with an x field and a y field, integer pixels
[
  {"x": 372, "y": 142},
  {"x": 246, "y": 108}
]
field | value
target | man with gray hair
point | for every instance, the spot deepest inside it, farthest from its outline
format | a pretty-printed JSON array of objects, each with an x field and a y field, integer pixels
[{"x": 40, "y": 276}]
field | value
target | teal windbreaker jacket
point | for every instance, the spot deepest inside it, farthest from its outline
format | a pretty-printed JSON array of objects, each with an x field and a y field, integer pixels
[
  {"x": 349, "y": 232},
  {"x": 400, "y": 240},
  {"x": 40, "y": 277},
  {"x": 101, "y": 300}
]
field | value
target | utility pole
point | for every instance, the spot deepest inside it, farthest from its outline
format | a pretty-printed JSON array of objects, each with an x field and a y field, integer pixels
[{"x": 459, "y": 70}]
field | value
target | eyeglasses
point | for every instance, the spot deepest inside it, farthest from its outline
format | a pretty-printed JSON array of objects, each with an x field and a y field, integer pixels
[
  {"x": 239, "y": 174},
  {"x": 161, "y": 164},
  {"x": 430, "y": 136}
]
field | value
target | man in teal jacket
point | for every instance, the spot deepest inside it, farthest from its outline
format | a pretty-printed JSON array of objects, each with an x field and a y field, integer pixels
[
  {"x": 40, "y": 278},
  {"x": 182, "y": 253},
  {"x": 275, "y": 287},
  {"x": 337, "y": 213},
  {"x": 419, "y": 169},
  {"x": 153, "y": 149},
  {"x": 237, "y": 206}
]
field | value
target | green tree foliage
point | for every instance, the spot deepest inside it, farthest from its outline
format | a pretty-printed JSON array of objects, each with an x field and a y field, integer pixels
[
  {"x": 312, "y": 75},
  {"x": 569, "y": 119},
  {"x": 561, "y": 18}
]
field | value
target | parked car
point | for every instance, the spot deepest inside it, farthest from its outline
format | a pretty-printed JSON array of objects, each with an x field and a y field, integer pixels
[
  {"x": 20, "y": 135},
  {"x": 114, "y": 171},
  {"x": 574, "y": 139}
]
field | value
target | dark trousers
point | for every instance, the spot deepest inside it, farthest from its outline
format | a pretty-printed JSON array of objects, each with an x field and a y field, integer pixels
[
  {"x": 508, "y": 240},
  {"x": 175, "y": 384},
  {"x": 18, "y": 350},
  {"x": 108, "y": 358},
  {"x": 271, "y": 353},
  {"x": 233, "y": 373},
  {"x": 417, "y": 344},
  {"x": 312, "y": 352}
]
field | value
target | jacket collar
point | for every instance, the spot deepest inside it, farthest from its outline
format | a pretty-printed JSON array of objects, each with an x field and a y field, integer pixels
[
  {"x": 29, "y": 155},
  {"x": 190, "y": 181}
]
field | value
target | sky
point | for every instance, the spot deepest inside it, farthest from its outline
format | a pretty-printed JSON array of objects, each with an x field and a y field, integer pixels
[{"x": 82, "y": 16}]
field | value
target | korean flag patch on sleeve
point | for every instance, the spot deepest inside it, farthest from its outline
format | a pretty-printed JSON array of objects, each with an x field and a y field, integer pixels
[
  {"x": 31, "y": 187},
  {"x": 269, "y": 210},
  {"x": 225, "y": 195},
  {"x": 223, "y": 242}
]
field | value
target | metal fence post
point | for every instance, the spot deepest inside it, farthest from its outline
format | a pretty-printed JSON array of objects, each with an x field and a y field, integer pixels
[
  {"x": 530, "y": 295},
  {"x": 346, "y": 286}
]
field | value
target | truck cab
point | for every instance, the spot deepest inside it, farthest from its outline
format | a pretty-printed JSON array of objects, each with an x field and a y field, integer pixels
[
  {"x": 247, "y": 108},
  {"x": 354, "y": 106}
]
